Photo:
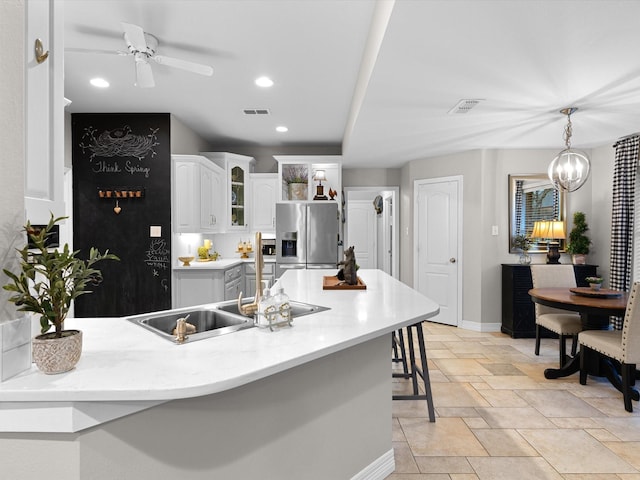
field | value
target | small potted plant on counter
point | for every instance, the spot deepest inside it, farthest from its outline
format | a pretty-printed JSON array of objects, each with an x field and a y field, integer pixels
[
  {"x": 524, "y": 244},
  {"x": 579, "y": 242},
  {"x": 48, "y": 281},
  {"x": 594, "y": 282}
]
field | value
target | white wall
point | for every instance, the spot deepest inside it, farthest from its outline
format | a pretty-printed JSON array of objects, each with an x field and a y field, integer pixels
[{"x": 12, "y": 139}]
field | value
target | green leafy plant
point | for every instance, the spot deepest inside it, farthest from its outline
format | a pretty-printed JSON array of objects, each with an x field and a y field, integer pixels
[
  {"x": 595, "y": 280},
  {"x": 50, "y": 279},
  {"x": 522, "y": 242},
  {"x": 295, "y": 174},
  {"x": 578, "y": 241}
]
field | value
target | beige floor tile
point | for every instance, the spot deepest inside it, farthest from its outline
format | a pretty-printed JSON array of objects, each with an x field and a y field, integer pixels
[
  {"x": 443, "y": 465},
  {"x": 626, "y": 429},
  {"x": 510, "y": 468},
  {"x": 463, "y": 476},
  {"x": 409, "y": 408},
  {"x": 502, "y": 368},
  {"x": 503, "y": 398},
  {"x": 629, "y": 451},
  {"x": 475, "y": 422},
  {"x": 558, "y": 403},
  {"x": 397, "y": 435},
  {"x": 480, "y": 385},
  {"x": 575, "y": 422},
  {"x": 590, "y": 476},
  {"x": 459, "y": 412},
  {"x": 602, "y": 434},
  {"x": 612, "y": 406},
  {"x": 511, "y": 382},
  {"x": 466, "y": 378},
  {"x": 629, "y": 476},
  {"x": 445, "y": 437},
  {"x": 457, "y": 395},
  {"x": 504, "y": 443},
  {"x": 460, "y": 366},
  {"x": 575, "y": 451},
  {"x": 405, "y": 463},
  {"x": 418, "y": 476},
  {"x": 515, "y": 417}
]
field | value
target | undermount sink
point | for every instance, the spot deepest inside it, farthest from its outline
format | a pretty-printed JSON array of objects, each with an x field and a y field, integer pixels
[
  {"x": 209, "y": 322},
  {"x": 298, "y": 309}
]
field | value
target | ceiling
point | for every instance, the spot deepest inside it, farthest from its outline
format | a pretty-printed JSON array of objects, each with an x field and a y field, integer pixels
[{"x": 376, "y": 78}]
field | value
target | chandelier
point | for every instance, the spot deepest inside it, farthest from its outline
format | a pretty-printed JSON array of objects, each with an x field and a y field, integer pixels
[{"x": 570, "y": 169}]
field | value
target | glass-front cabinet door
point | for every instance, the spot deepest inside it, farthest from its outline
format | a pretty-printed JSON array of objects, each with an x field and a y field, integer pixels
[{"x": 237, "y": 203}]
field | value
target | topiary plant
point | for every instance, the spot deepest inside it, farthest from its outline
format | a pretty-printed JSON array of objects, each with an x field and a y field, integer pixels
[{"x": 578, "y": 241}]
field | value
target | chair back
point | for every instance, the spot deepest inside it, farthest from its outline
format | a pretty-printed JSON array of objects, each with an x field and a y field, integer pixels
[
  {"x": 552, "y": 276},
  {"x": 631, "y": 327}
]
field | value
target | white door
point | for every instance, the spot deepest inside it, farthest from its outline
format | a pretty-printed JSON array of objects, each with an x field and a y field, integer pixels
[
  {"x": 438, "y": 244},
  {"x": 361, "y": 232}
]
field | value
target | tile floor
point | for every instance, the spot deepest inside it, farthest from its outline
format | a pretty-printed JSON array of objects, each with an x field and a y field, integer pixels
[{"x": 497, "y": 417}]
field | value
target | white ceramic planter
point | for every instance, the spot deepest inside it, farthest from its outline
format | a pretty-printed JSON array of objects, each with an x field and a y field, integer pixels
[
  {"x": 57, "y": 355},
  {"x": 15, "y": 347}
]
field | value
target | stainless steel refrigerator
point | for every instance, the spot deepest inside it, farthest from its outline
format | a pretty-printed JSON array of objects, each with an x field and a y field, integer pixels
[{"x": 307, "y": 235}]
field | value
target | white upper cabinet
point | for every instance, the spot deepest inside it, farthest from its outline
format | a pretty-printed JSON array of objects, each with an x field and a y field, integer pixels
[
  {"x": 298, "y": 176},
  {"x": 44, "y": 166},
  {"x": 237, "y": 168},
  {"x": 198, "y": 185},
  {"x": 264, "y": 194}
]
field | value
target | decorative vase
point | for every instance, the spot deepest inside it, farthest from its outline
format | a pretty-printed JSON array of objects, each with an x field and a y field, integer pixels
[
  {"x": 57, "y": 355},
  {"x": 595, "y": 286},
  {"x": 297, "y": 191},
  {"x": 579, "y": 259},
  {"x": 525, "y": 258}
]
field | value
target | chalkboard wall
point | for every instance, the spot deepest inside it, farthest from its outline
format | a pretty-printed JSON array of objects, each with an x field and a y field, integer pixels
[{"x": 122, "y": 163}]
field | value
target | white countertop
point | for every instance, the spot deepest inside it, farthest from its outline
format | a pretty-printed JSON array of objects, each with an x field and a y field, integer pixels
[
  {"x": 123, "y": 362},
  {"x": 221, "y": 264}
]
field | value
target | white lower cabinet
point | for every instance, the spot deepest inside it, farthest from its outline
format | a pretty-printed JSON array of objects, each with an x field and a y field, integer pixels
[{"x": 200, "y": 286}]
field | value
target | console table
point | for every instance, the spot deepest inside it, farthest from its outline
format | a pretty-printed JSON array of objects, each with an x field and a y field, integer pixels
[{"x": 518, "y": 312}]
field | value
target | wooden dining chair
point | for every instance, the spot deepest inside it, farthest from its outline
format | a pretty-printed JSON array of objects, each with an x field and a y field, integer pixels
[
  {"x": 562, "y": 322},
  {"x": 621, "y": 345}
]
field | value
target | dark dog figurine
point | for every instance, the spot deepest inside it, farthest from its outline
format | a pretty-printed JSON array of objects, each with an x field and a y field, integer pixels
[{"x": 348, "y": 272}]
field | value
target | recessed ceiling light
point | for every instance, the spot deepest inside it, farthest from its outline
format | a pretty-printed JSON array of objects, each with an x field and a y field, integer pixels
[
  {"x": 264, "y": 82},
  {"x": 99, "y": 82},
  {"x": 282, "y": 129}
]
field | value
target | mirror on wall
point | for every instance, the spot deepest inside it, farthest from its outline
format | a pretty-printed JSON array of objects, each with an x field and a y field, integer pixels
[{"x": 533, "y": 198}]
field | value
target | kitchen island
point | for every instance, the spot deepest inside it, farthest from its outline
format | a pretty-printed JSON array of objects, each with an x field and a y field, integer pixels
[{"x": 310, "y": 401}]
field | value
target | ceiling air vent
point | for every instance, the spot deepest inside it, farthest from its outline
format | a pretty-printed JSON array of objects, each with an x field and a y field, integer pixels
[
  {"x": 463, "y": 106},
  {"x": 256, "y": 111}
]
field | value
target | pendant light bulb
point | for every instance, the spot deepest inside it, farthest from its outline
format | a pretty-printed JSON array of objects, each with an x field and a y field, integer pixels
[{"x": 570, "y": 169}]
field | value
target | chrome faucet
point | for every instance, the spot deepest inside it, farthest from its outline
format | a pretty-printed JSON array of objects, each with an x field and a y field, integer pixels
[{"x": 250, "y": 309}]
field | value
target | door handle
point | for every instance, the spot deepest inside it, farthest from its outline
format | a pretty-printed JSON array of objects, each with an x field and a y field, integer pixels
[{"x": 452, "y": 260}]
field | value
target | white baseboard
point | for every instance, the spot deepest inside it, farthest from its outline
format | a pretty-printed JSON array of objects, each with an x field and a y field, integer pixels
[
  {"x": 380, "y": 469},
  {"x": 480, "y": 327}
]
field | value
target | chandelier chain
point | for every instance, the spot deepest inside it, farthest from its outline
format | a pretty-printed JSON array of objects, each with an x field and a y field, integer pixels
[{"x": 568, "y": 132}]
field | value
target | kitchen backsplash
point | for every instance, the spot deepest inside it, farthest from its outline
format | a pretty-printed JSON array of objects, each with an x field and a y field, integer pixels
[{"x": 226, "y": 244}]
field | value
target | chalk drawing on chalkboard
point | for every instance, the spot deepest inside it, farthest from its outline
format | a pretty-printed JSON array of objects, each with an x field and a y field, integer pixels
[
  {"x": 119, "y": 142},
  {"x": 157, "y": 256}
]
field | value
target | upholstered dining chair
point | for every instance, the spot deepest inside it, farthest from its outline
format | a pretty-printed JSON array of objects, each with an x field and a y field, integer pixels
[
  {"x": 621, "y": 345},
  {"x": 562, "y": 322}
]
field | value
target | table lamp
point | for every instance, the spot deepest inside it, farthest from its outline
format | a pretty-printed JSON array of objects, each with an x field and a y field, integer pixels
[
  {"x": 551, "y": 230},
  {"x": 319, "y": 177}
]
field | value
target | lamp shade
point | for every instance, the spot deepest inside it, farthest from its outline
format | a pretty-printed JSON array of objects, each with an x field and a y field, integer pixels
[
  {"x": 320, "y": 176},
  {"x": 551, "y": 229}
]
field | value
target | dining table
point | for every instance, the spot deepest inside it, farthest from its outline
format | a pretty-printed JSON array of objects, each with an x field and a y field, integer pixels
[{"x": 595, "y": 307}]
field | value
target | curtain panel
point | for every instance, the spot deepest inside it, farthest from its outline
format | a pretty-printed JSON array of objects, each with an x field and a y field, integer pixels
[{"x": 622, "y": 213}]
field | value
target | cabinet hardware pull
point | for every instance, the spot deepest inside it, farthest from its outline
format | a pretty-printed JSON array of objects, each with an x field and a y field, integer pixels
[{"x": 41, "y": 55}]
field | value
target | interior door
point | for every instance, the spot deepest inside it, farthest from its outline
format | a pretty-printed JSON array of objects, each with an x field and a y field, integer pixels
[
  {"x": 437, "y": 244},
  {"x": 361, "y": 232}
]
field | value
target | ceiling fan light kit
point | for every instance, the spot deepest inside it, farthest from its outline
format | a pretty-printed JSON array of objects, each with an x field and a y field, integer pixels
[{"x": 570, "y": 169}]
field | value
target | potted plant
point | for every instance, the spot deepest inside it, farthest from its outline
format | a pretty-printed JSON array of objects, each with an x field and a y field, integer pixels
[
  {"x": 296, "y": 177},
  {"x": 524, "y": 244},
  {"x": 579, "y": 242},
  {"x": 594, "y": 282},
  {"x": 48, "y": 281}
]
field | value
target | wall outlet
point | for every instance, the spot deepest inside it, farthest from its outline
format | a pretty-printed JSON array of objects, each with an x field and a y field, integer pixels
[
  {"x": 155, "y": 231},
  {"x": 494, "y": 230}
]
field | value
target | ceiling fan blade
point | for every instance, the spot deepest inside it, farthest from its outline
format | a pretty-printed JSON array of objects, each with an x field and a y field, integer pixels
[
  {"x": 91, "y": 50},
  {"x": 144, "y": 75},
  {"x": 184, "y": 65},
  {"x": 134, "y": 35}
]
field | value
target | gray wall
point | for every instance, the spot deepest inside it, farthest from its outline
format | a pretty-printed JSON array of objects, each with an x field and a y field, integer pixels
[
  {"x": 370, "y": 177},
  {"x": 12, "y": 33},
  {"x": 486, "y": 203},
  {"x": 184, "y": 140}
]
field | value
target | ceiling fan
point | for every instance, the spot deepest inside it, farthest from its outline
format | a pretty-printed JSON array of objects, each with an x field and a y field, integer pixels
[{"x": 143, "y": 47}]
